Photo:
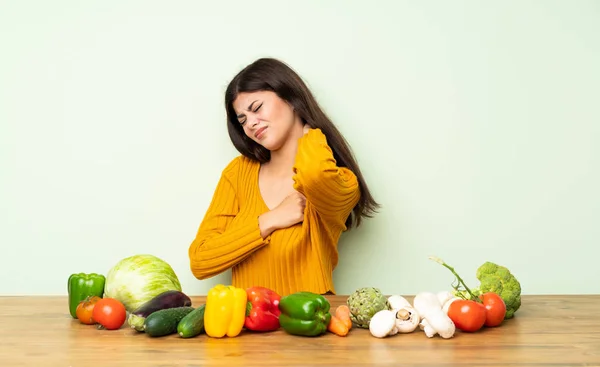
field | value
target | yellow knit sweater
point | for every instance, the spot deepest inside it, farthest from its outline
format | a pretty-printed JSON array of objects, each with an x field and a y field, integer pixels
[{"x": 298, "y": 258}]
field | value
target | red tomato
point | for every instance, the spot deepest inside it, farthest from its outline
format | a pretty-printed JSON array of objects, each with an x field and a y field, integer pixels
[
  {"x": 85, "y": 308},
  {"x": 495, "y": 309},
  {"x": 467, "y": 315},
  {"x": 110, "y": 313}
]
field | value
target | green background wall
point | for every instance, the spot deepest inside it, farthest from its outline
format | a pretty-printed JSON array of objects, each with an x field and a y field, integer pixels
[{"x": 476, "y": 123}]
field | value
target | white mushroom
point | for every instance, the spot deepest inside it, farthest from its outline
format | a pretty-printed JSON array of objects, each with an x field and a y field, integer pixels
[
  {"x": 383, "y": 324},
  {"x": 429, "y": 332},
  {"x": 398, "y": 302},
  {"x": 407, "y": 319},
  {"x": 447, "y": 304},
  {"x": 446, "y": 298},
  {"x": 434, "y": 320}
]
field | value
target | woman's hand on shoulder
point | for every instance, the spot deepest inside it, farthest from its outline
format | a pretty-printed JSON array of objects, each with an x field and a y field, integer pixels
[
  {"x": 306, "y": 129},
  {"x": 289, "y": 212}
]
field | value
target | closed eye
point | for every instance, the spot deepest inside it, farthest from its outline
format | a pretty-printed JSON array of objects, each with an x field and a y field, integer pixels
[{"x": 255, "y": 110}]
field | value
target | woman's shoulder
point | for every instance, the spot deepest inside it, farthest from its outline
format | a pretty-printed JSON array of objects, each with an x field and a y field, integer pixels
[
  {"x": 239, "y": 165},
  {"x": 239, "y": 162}
]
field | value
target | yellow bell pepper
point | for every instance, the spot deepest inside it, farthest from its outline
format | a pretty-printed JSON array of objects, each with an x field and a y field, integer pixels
[{"x": 225, "y": 311}]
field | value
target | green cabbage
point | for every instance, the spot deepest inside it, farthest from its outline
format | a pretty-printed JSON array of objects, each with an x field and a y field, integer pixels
[{"x": 139, "y": 278}]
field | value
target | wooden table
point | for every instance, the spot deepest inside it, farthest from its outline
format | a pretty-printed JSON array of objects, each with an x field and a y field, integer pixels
[{"x": 546, "y": 331}]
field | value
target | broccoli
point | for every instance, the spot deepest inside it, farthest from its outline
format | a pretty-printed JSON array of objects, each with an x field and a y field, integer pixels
[
  {"x": 493, "y": 278},
  {"x": 498, "y": 279}
]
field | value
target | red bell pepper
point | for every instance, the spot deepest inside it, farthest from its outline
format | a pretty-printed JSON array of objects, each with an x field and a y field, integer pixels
[{"x": 262, "y": 312}]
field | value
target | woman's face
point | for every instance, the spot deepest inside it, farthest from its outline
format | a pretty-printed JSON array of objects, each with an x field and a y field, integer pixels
[{"x": 265, "y": 118}]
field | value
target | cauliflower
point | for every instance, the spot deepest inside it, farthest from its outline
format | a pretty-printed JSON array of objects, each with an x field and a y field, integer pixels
[{"x": 498, "y": 279}]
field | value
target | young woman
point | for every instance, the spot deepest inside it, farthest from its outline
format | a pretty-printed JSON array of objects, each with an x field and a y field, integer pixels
[{"x": 280, "y": 207}]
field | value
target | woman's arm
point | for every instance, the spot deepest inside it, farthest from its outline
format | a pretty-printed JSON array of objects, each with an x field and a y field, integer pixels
[
  {"x": 219, "y": 245},
  {"x": 332, "y": 190}
]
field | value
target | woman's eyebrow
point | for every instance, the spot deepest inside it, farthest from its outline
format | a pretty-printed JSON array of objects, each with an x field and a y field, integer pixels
[{"x": 249, "y": 108}]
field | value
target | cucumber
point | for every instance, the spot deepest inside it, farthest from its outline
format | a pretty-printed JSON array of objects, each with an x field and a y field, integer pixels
[
  {"x": 164, "y": 322},
  {"x": 167, "y": 299},
  {"x": 192, "y": 324}
]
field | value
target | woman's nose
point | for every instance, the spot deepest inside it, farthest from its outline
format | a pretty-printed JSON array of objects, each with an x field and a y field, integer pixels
[{"x": 254, "y": 120}]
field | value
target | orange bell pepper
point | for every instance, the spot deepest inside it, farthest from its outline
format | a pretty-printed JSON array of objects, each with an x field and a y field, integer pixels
[{"x": 225, "y": 311}]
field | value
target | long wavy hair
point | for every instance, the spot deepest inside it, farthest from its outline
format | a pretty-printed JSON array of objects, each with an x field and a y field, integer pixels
[{"x": 267, "y": 74}]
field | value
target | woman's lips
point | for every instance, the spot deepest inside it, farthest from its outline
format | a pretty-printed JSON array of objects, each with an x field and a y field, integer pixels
[{"x": 260, "y": 132}]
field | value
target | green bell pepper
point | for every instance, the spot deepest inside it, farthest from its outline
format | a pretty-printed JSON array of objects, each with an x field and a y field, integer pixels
[
  {"x": 82, "y": 285},
  {"x": 304, "y": 314}
]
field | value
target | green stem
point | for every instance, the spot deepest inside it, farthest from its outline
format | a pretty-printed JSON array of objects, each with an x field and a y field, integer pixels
[
  {"x": 248, "y": 308},
  {"x": 460, "y": 281}
]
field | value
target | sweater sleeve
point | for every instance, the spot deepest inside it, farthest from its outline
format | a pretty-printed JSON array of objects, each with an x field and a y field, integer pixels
[
  {"x": 332, "y": 190},
  {"x": 221, "y": 242}
]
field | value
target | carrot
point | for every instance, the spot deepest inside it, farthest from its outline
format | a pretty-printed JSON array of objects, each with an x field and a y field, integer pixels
[
  {"x": 340, "y": 323},
  {"x": 337, "y": 326},
  {"x": 342, "y": 312}
]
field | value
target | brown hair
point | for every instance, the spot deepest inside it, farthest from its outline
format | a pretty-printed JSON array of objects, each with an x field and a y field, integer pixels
[{"x": 267, "y": 74}]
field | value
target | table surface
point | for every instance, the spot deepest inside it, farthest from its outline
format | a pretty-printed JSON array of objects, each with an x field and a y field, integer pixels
[{"x": 546, "y": 331}]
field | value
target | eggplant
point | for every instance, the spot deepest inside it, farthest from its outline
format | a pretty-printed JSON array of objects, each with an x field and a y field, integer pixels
[{"x": 168, "y": 299}]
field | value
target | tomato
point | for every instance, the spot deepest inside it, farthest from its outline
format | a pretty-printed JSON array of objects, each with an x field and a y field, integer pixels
[
  {"x": 110, "y": 313},
  {"x": 467, "y": 315},
  {"x": 85, "y": 308},
  {"x": 495, "y": 309}
]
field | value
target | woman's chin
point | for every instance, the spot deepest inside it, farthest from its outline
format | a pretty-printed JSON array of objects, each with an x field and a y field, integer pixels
[
  {"x": 269, "y": 147},
  {"x": 269, "y": 144}
]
